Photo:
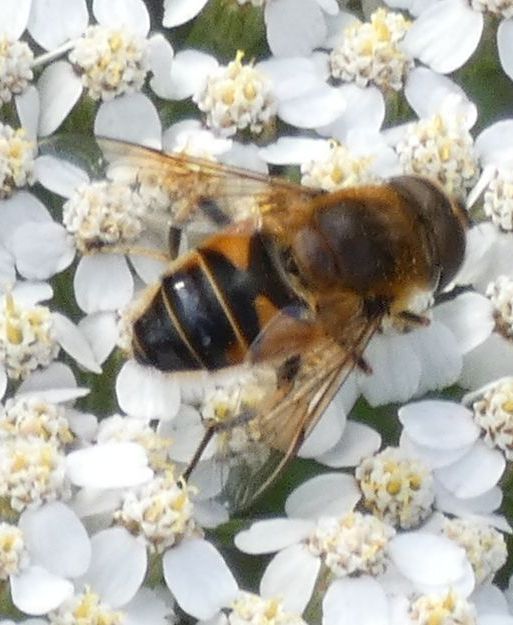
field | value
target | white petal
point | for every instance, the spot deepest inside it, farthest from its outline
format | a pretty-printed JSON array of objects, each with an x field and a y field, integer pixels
[
  {"x": 130, "y": 14},
  {"x": 294, "y": 150},
  {"x": 488, "y": 599},
  {"x": 59, "y": 90},
  {"x": 482, "y": 505},
  {"x": 294, "y": 27},
  {"x": 132, "y": 117},
  {"x": 146, "y": 392},
  {"x": 428, "y": 559},
  {"x": 118, "y": 565},
  {"x": 439, "y": 424},
  {"x": 439, "y": 356},
  {"x": 432, "y": 457},
  {"x": 74, "y": 343},
  {"x": 199, "y": 578},
  {"x": 426, "y": 91},
  {"x": 445, "y": 35},
  {"x": 396, "y": 370},
  {"x": 161, "y": 59},
  {"x": 53, "y": 23},
  {"x": 489, "y": 361},
  {"x": 41, "y": 250},
  {"x": 364, "y": 108},
  {"x": 101, "y": 330},
  {"x": 103, "y": 283},
  {"x": 15, "y": 14},
  {"x": 189, "y": 71},
  {"x": 475, "y": 473},
  {"x": 272, "y": 535},
  {"x": 326, "y": 433},
  {"x": 57, "y": 540},
  {"x": 27, "y": 107},
  {"x": 59, "y": 175},
  {"x": 292, "y": 77},
  {"x": 505, "y": 47},
  {"x": 31, "y": 293},
  {"x": 177, "y": 12},
  {"x": 19, "y": 209},
  {"x": 291, "y": 575},
  {"x": 7, "y": 271},
  {"x": 358, "y": 442},
  {"x": 56, "y": 376},
  {"x": 36, "y": 591},
  {"x": 149, "y": 606},
  {"x": 186, "y": 431},
  {"x": 3, "y": 382},
  {"x": 469, "y": 317},
  {"x": 493, "y": 145},
  {"x": 328, "y": 494},
  {"x": 360, "y": 600},
  {"x": 315, "y": 108},
  {"x": 110, "y": 465}
]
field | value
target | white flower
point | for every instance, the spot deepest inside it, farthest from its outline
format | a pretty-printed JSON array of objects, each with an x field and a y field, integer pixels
[
  {"x": 237, "y": 97},
  {"x": 439, "y": 144},
  {"x": 109, "y": 59},
  {"x": 444, "y": 435},
  {"x": 16, "y": 160},
  {"x": 445, "y": 34},
  {"x": 370, "y": 53}
]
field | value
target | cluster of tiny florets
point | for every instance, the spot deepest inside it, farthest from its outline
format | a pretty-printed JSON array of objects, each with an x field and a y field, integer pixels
[
  {"x": 110, "y": 62},
  {"x": 493, "y": 413},
  {"x": 485, "y": 546},
  {"x": 441, "y": 149},
  {"x": 237, "y": 97},
  {"x": 371, "y": 52},
  {"x": 16, "y": 160},
  {"x": 340, "y": 168},
  {"x": 85, "y": 608},
  {"x": 354, "y": 543},
  {"x": 16, "y": 59},
  {"x": 498, "y": 200},
  {"x": 500, "y": 293},
  {"x": 502, "y": 8},
  {"x": 26, "y": 338},
  {"x": 446, "y": 609},
  {"x": 396, "y": 488},
  {"x": 250, "y": 609}
]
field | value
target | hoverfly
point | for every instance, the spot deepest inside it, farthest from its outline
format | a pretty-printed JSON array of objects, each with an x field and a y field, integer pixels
[{"x": 292, "y": 278}]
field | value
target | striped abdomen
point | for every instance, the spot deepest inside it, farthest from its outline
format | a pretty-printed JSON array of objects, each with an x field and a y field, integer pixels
[{"x": 210, "y": 308}]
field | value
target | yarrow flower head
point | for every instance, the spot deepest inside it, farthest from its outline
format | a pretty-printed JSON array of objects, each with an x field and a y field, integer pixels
[
  {"x": 237, "y": 97},
  {"x": 16, "y": 160},
  {"x": 15, "y": 67},
  {"x": 250, "y": 609},
  {"x": 371, "y": 52},
  {"x": 493, "y": 413},
  {"x": 160, "y": 511},
  {"x": 102, "y": 214},
  {"x": 339, "y": 169},
  {"x": 442, "y": 149},
  {"x": 110, "y": 61},
  {"x": 449, "y": 609},
  {"x": 498, "y": 200},
  {"x": 28, "y": 416},
  {"x": 32, "y": 471},
  {"x": 485, "y": 546},
  {"x": 396, "y": 488},
  {"x": 26, "y": 338},
  {"x": 500, "y": 293},
  {"x": 353, "y": 543},
  {"x": 13, "y": 553},
  {"x": 123, "y": 428},
  {"x": 85, "y": 608}
]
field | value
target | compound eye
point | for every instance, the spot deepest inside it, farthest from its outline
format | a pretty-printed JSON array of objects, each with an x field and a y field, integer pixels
[{"x": 314, "y": 256}]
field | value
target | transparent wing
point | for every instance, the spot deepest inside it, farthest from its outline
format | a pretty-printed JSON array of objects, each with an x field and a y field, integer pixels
[
  {"x": 267, "y": 438},
  {"x": 200, "y": 189}
]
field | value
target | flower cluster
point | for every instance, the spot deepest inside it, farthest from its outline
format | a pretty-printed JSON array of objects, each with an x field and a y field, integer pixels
[{"x": 256, "y": 299}]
